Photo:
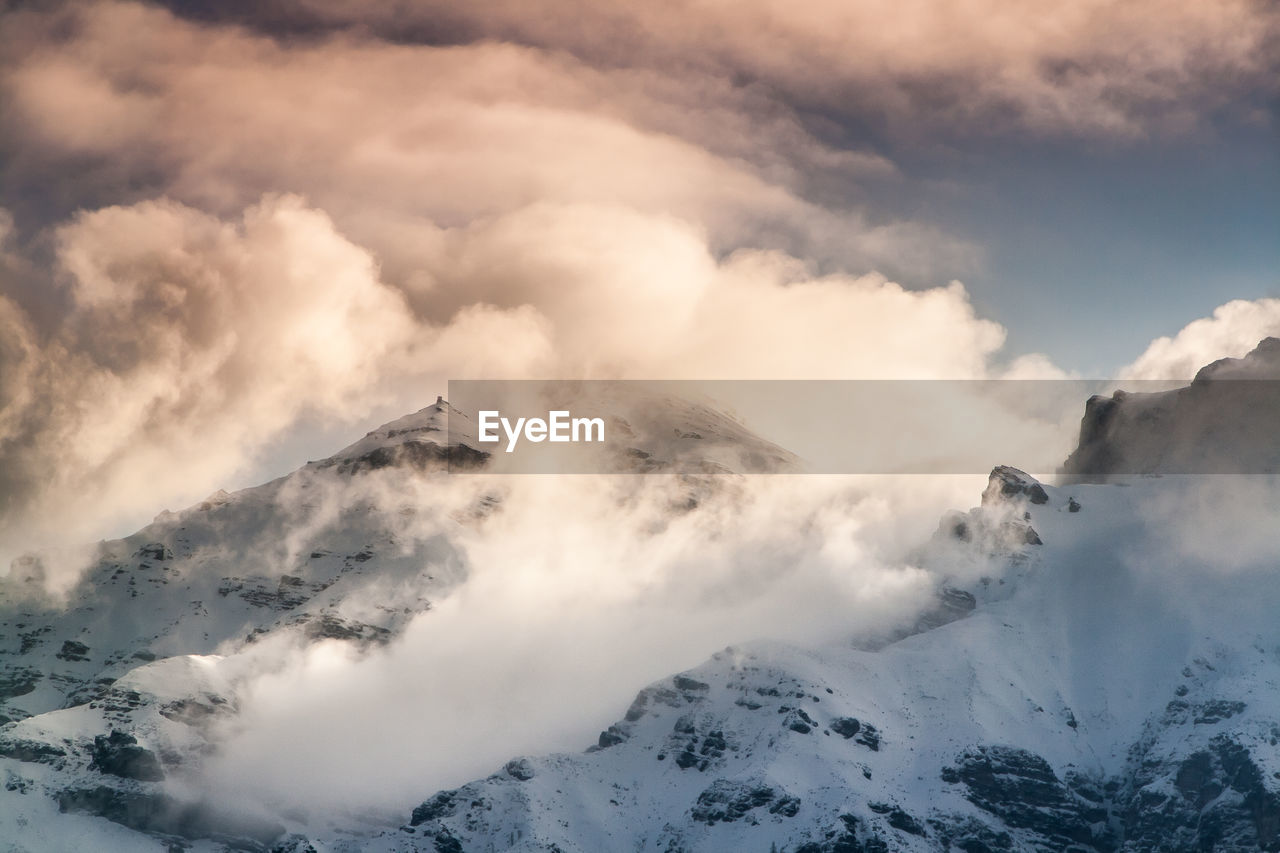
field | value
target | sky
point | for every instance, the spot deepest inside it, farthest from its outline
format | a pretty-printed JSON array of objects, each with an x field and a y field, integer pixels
[{"x": 237, "y": 235}]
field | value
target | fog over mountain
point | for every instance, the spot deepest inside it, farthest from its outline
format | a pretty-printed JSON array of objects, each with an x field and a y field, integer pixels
[
  {"x": 237, "y": 236},
  {"x": 323, "y": 661}
]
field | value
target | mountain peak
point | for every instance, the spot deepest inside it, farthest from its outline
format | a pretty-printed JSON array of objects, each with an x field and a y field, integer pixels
[
  {"x": 421, "y": 440},
  {"x": 1262, "y": 362}
]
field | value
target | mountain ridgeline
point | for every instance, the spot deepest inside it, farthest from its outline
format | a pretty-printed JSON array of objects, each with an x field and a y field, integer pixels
[{"x": 1098, "y": 670}]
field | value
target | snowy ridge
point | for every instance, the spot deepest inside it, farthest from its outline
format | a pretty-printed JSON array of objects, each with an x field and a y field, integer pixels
[
  {"x": 1087, "y": 681},
  {"x": 1076, "y": 709}
]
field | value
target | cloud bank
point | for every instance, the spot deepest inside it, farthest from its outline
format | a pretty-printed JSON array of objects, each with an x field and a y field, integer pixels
[
  {"x": 1232, "y": 331},
  {"x": 227, "y": 224},
  {"x": 558, "y": 624}
]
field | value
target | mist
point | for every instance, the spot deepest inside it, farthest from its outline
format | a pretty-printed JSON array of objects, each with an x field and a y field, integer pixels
[{"x": 580, "y": 591}]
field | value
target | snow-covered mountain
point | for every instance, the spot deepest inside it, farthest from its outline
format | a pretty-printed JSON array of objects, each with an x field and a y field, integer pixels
[
  {"x": 1082, "y": 704},
  {"x": 1100, "y": 671}
]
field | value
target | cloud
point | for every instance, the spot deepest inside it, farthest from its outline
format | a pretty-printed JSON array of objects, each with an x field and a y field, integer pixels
[
  {"x": 632, "y": 295},
  {"x": 188, "y": 342},
  {"x": 560, "y": 623},
  {"x": 385, "y": 136},
  {"x": 1212, "y": 525},
  {"x": 1232, "y": 331},
  {"x": 1096, "y": 69},
  {"x": 320, "y": 229},
  {"x": 191, "y": 342}
]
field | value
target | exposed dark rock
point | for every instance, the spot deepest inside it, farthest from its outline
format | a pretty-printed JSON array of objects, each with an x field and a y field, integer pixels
[
  {"x": 900, "y": 820},
  {"x": 35, "y": 751},
  {"x": 846, "y": 727},
  {"x": 262, "y": 593},
  {"x": 1216, "y": 711},
  {"x": 420, "y": 455},
  {"x": 1214, "y": 799},
  {"x": 520, "y": 769},
  {"x": 786, "y": 806},
  {"x": 849, "y": 836},
  {"x": 952, "y": 604},
  {"x": 1021, "y": 789},
  {"x": 971, "y": 836},
  {"x": 444, "y": 842},
  {"x": 957, "y": 524},
  {"x": 713, "y": 745},
  {"x": 294, "y": 844},
  {"x": 1007, "y": 484},
  {"x": 194, "y": 712},
  {"x": 441, "y": 805},
  {"x": 869, "y": 737},
  {"x": 798, "y": 721},
  {"x": 651, "y": 696},
  {"x": 726, "y": 801},
  {"x": 119, "y": 755},
  {"x": 15, "y": 783},
  {"x": 684, "y": 682},
  {"x": 330, "y": 627},
  {"x": 164, "y": 815},
  {"x": 73, "y": 651},
  {"x": 133, "y": 809},
  {"x": 157, "y": 551},
  {"x": 611, "y": 736},
  {"x": 688, "y": 758},
  {"x": 19, "y": 681}
]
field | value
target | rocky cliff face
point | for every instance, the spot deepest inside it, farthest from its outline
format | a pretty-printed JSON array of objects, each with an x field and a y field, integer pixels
[{"x": 1223, "y": 422}]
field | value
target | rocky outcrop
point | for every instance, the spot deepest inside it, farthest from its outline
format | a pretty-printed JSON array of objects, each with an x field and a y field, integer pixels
[
  {"x": 1020, "y": 789},
  {"x": 1007, "y": 484},
  {"x": 120, "y": 755},
  {"x": 726, "y": 801},
  {"x": 1223, "y": 422},
  {"x": 1218, "y": 798}
]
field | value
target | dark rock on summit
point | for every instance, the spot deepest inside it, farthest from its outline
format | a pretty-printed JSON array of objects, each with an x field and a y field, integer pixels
[
  {"x": 519, "y": 769},
  {"x": 1008, "y": 484}
]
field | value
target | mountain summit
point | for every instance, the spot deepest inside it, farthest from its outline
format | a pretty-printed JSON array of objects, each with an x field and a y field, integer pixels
[{"x": 1223, "y": 422}]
